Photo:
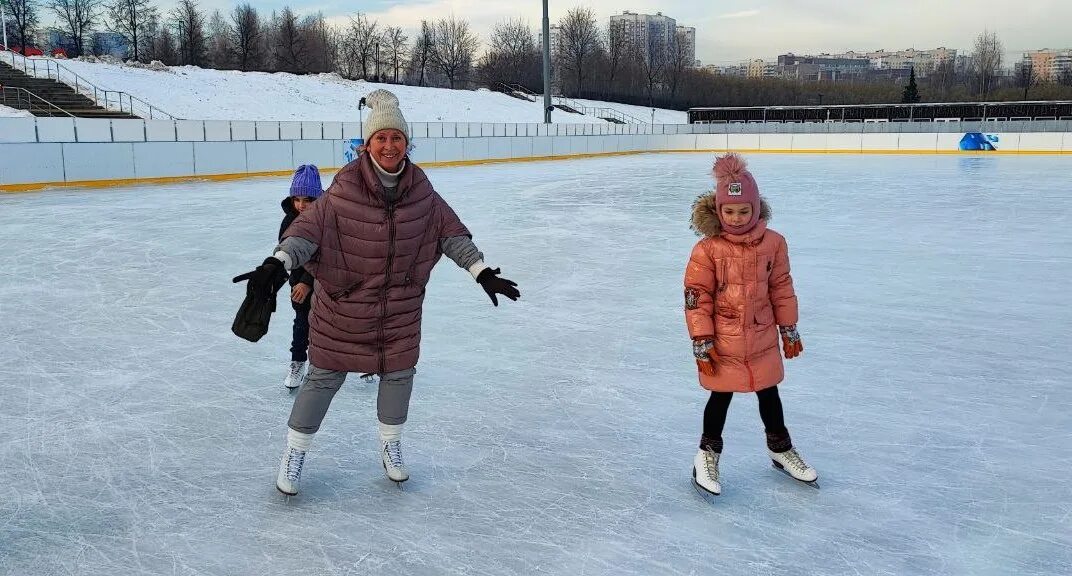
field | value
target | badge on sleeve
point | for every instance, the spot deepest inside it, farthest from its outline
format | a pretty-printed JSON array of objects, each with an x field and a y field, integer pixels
[{"x": 692, "y": 298}]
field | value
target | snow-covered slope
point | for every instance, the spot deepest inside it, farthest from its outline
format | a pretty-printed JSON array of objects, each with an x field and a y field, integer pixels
[
  {"x": 201, "y": 94},
  {"x": 6, "y": 112}
]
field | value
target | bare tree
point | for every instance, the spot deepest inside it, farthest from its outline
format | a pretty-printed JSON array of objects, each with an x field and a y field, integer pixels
[
  {"x": 77, "y": 18},
  {"x": 164, "y": 48},
  {"x": 942, "y": 79},
  {"x": 512, "y": 57},
  {"x": 1065, "y": 77},
  {"x": 127, "y": 18},
  {"x": 246, "y": 38},
  {"x": 580, "y": 43},
  {"x": 320, "y": 44},
  {"x": 288, "y": 43},
  {"x": 23, "y": 21},
  {"x": 189, "y": 25},
  {"x": 651, "y": 61},
  {"x": 362, "y": 41},
  {"x": 219, "y": 42},
  {"x": 396, "y": 42},
  {"x": 617, "y": 53},
  {"x": 678, "y": 62},
  {"x": 421, "y": 56},
  {"x": 987, "y": 57},
  {"x": 453, "y": 49},
  {"x": 1025, "y": 75}
]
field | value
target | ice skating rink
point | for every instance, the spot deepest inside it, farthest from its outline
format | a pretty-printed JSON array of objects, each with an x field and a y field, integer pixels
[{"x": 553, "y": 435}]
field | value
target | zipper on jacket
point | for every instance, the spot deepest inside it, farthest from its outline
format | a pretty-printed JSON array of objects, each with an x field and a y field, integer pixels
[{"x": 386, "y": 285}]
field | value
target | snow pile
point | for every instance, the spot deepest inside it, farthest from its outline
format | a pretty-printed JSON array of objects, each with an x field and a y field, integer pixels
[
  {"x": 201, "y": 94},
  {"x": 6, "y": 112}
]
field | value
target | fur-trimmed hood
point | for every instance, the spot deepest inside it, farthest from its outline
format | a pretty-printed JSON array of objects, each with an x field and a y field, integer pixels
[{"x": 705, "y": 221}]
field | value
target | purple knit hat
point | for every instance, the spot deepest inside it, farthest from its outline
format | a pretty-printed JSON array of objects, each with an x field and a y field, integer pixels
[
  {"x": 306, "y": 182},
  {"x": 734, "y": 184}
]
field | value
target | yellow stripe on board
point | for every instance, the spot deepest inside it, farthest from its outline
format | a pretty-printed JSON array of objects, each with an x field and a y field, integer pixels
[{"x": 35, "y": 186}]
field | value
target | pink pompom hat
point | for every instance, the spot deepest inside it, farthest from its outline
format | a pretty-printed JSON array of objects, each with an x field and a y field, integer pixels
[{"x": 734, "y": 184}]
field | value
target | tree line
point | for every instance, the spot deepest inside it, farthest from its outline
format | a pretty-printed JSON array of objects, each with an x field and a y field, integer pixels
[{"x": 590, "y": 61}]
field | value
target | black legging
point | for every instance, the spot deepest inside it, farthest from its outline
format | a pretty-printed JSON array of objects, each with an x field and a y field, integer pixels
[{"x": 770, "y": 411}]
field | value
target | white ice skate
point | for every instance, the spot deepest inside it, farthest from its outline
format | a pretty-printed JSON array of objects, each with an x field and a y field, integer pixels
[
  {"x": 705, "y": 471},
  {"x": 295, "y": 376},
  {"x": 792, "y": 464},
  {"x": 290, "y": 466},
  {"x": 290, "y": 471},
  {"x": 391, "y": 452}
]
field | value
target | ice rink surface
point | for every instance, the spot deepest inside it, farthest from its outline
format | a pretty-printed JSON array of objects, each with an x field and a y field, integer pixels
[{"x": 553, "y": 435}]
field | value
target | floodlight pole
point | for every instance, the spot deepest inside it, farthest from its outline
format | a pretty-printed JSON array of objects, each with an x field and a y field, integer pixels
[
  {"x": 546, "y": 65},
  {"x": 3, "y": 24}
]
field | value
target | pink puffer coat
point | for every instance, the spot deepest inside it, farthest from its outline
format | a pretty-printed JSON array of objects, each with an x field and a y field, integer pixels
[
  {"x": 372, "y": 266},
  {"x": 738, "y": 291}
]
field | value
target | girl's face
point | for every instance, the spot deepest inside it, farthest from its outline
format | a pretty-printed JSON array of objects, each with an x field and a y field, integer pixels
[
  {"x": 736, "y": 214},
  {"x": 388, "y": 148},
  {"x": 301, "y": 203}
]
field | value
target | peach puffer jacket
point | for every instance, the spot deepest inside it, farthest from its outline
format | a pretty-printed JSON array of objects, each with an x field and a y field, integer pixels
[{"x": 737, "y": 292}]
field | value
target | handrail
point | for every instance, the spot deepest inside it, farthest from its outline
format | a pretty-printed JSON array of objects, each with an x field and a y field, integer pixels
[
  {"x": 101, "y": 98},
  {"x": 599, "y": 112},
  {"x": 19, "y": 91}
]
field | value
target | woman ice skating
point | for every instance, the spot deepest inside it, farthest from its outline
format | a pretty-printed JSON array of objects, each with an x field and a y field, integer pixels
[
  {"x": 371, "y": 241},
  {"x": 738, "y": 299}
]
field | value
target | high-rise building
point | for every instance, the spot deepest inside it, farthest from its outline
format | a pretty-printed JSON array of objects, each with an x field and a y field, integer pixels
[
  {"x": 646, "y": 32},
  {"x": 685, "y": 36},
  {"x": 555, "y": 34},
  {"x": 1049, "y": 65}
]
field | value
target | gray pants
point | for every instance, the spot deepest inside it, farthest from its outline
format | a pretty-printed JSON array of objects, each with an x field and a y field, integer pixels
[{"x": 314, "y": 397}]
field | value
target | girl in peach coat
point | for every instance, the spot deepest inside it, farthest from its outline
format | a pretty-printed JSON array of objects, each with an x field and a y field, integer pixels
[{"x": 739, "y": 302}]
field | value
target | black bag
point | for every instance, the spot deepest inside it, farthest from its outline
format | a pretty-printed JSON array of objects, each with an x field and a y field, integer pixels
[{"x": 251, "y": 322}]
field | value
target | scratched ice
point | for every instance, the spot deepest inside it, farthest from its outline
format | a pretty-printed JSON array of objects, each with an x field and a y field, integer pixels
[{"x": 553, "y": 435}]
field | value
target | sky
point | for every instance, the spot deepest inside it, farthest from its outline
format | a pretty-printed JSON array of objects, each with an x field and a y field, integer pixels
[{"x": 730, "y": 31}]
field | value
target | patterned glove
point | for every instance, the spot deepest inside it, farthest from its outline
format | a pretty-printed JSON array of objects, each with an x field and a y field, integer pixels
[
  {"x": 706, "y": 359},
  {"x": 791, "y": 342}
]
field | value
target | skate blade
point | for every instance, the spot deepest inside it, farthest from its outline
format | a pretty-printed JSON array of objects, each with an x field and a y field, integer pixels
[
  {"x": 813, "y": 483},
  {"x": 398, "y": 483},
  {"x": 703, "y": 492}
]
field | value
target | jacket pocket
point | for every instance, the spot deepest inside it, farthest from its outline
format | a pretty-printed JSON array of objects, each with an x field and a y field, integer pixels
[
  {"x": 727, "y": 321},
  {"x": 343, "y": 292},
  {"x": 764, "y": 314}
]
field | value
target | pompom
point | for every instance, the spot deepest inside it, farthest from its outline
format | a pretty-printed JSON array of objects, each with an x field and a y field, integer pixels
[
  {"x": 729, "y": 167},
  {"x": 381, "y": 97}
]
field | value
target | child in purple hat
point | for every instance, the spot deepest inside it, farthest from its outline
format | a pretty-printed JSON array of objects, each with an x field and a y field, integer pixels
[{"x": 304, "y": 189}]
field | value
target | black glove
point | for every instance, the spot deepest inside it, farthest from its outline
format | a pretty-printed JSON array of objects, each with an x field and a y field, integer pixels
[
  {"x": 266, "y": 280},
  {"x": 491, "y": 283}
]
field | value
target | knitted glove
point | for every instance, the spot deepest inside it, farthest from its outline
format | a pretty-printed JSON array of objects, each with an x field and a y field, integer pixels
[
  {"x": 791, "y": 342},
  {"x": 706, "y": 359}
]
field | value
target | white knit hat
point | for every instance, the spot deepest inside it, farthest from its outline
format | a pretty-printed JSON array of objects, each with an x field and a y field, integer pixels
[{"x": 385, "y": 114}]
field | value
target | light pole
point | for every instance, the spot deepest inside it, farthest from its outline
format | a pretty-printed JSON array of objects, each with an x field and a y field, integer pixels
[
  {"x": 546, "y": 65},
  {"x": 3, "y": 24}
]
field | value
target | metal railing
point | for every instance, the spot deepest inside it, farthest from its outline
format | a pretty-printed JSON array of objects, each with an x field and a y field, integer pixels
[
  {"x": 114, "y": 100},
  {"x": 518, "y": 91},
  {"x": 598, "y": 112},
  {"x": 23, "y": 99}
]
